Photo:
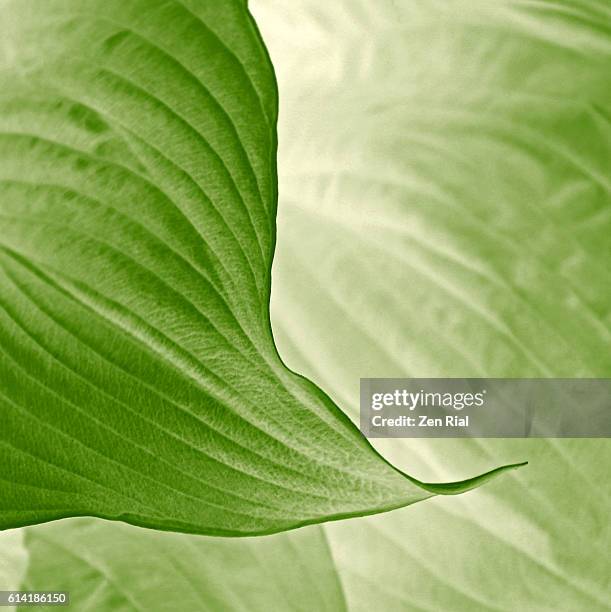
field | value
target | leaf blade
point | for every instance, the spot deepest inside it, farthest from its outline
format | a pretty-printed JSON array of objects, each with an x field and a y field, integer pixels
[
  {"x": 140, "y": 379},
  {"x": 94, "y": 561}
]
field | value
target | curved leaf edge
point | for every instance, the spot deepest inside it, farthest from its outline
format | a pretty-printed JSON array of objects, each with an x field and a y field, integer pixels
[
  {"x": 452, "y": 488},
  {"x": 449, "y": 488}
]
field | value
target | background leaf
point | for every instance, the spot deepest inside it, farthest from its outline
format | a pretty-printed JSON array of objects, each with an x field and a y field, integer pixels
[
  {"x": 110, "y": 566},
  {"x": 453, "y": 160},
  {"x": 13, "y": 561}
]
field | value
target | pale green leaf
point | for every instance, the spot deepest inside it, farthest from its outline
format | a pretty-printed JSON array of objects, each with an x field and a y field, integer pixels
[
  {"x": 537, "y": 542},
  {"x": 445, "y": 197},
  {"x": 120, "y": 568},
  {"x": 13, "y": 561}
]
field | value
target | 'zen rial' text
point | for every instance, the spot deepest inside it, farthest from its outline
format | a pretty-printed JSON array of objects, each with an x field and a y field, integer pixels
[{"x": 420, "y": 421}]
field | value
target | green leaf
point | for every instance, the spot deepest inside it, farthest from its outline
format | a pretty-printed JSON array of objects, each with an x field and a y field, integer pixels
[
  {"x": 140, "y": 380},
  {"x": 13, "y": 561},
  {"x": 537, "y": 541},
  {"x": 110, "y": 566},
  {"x": 456, "y": 173}
]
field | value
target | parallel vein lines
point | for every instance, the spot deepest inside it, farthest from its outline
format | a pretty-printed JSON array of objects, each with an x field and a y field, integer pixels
[
  {"x": 171, "y": 290},
  {"x": 207, "y": 93},
  {"x": 226, "y": 492},
  {"x": 172, "y": 402},
  {"x": 130, "y": 171},
  {"x": 166, "y": 431},
  {"x": 104, "y": 112}
]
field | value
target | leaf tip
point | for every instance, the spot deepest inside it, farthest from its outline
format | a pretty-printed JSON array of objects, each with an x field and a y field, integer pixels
[{"x": 462, "y": 486}]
